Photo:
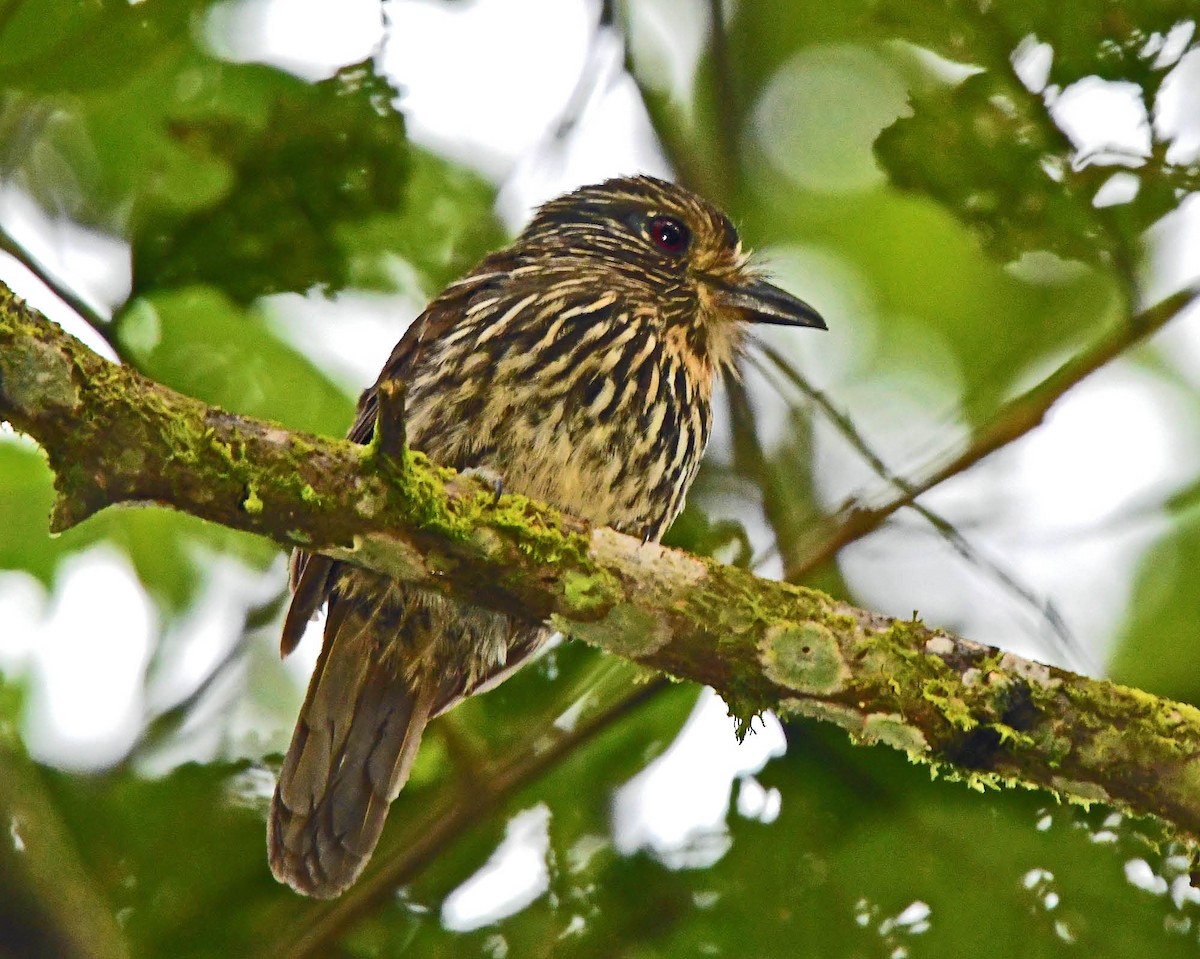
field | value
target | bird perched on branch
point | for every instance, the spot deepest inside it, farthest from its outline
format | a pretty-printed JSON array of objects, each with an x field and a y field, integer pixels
[{"x": 577, "y": 365}]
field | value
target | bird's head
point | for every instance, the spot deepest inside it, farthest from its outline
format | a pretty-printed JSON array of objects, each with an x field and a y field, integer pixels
[{"x": 672, "y": 254}]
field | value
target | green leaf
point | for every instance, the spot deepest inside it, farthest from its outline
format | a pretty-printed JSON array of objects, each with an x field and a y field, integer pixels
[
  {"x": 326, "y": 154},
  {"x": 1155, "y": 647},
  {"x": 95, "y": 107},
  {"x": 1088, "y": 37},
  {"x": 26, "y": 495},
  {"x": 48, "y": 904},
  {"x": 988, "y": 148},
  {"x": 198, "y": 342},
  {"x": 54, "y": 47},
  {"x": 181, "y": 858},
  {"x": 239, "y": 176},
  {"x": 863, "y": 845}
]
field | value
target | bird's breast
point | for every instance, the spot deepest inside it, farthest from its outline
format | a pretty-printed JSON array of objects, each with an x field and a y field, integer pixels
[{"x": 613, "y": 435}]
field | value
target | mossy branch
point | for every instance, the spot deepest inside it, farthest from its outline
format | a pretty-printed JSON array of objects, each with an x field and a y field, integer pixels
[{"x": 112, "y": 436}]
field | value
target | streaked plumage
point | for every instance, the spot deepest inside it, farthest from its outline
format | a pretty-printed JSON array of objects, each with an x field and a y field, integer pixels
[{"x": 578, "y": 364}]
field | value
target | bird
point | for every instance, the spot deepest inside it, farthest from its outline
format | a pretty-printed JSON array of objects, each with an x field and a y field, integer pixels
[{"x": 575, "y": 366}]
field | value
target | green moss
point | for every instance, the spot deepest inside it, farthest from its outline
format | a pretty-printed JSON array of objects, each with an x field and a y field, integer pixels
[
  {"x": 252, "y": 504},
  {"x": 585, "y": 593},
  {"x": 805, "y": 658},
  {"x": 894, "y": 651},
  {"x": 943, "y": 693},
  {"x": 907, "y": 635},
  {"x": 535, "y": 532}
]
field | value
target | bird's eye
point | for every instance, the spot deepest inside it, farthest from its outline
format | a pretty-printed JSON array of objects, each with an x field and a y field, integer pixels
[{"x": 669, "y": 235}]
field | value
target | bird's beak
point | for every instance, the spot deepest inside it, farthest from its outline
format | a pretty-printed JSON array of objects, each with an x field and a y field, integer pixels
[{"x": 764, "y": 302}]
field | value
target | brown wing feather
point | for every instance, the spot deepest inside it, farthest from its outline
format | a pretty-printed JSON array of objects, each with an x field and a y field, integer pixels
[{"x": 313, "y": 576}]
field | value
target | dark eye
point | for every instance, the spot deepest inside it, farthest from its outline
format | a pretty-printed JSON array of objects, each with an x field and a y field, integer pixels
[{"x": 669, "y": 235}]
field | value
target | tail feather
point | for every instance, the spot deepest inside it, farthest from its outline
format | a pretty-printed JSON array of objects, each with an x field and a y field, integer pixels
[
  {"x": 351, "y": 753},
  {"x": 393, "y": 658}
]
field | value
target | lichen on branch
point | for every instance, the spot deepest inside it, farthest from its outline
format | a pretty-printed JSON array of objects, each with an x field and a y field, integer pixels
[{"x": 112, "y": 436}]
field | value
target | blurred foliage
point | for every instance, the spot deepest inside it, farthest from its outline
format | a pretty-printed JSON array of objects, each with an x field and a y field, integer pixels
[
  {"x": 202, "y": 344},
  {"x": 867, "y": 855},
  {"x": 1155, "y": 648},
  {"x": 165, "y": 548},
  {"x": 1016, "y": 198},
  {"x": 230, "y": 181},
  {"x": 289, "y": 186},
  {"x": 895, "y": 138},
  {"x": 878, "y": 859}
]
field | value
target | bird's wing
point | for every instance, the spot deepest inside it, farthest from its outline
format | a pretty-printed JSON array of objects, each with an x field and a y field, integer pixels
[{"x": 312, "y": 575}]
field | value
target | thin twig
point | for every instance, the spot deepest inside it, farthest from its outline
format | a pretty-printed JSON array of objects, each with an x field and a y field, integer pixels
[
  {"x": 1011, "y": 422},
  {"x": 1069, "y": 645},
  {"x": 170, "y": 720},
  {"x": 750, "y": 460},
  {"x": 726, "y": 102},
  {"x": 159, "y": 727}
]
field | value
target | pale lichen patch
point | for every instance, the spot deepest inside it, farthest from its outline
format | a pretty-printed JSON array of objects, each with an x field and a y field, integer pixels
[
  {"x": 1080, "y": 792},
  {"x": 36, "y": 376},
  {"x": 1029, "y": 671},
  {"x": 891, "y": 730},
  {"x": 608, "y": 547},
  {"x": 487, "y": 542},
  {"x": 388, "y": 554},
  {"x": 625, "y": 630},
  {"x": 369, "y": 503},
  {"x": 849, "y": 719},
  {"x": 805, "y": 658},
  {"x": 939, "y": 645}
]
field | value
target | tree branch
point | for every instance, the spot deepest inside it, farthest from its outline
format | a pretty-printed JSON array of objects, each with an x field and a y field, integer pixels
[{"x": 112, "y": 436}]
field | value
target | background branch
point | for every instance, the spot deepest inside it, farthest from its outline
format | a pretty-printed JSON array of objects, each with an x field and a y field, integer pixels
[{"x": 1012, "y": 421}]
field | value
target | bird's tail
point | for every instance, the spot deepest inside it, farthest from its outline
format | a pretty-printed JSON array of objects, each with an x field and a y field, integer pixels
[{"x": 352, "y": 750}]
